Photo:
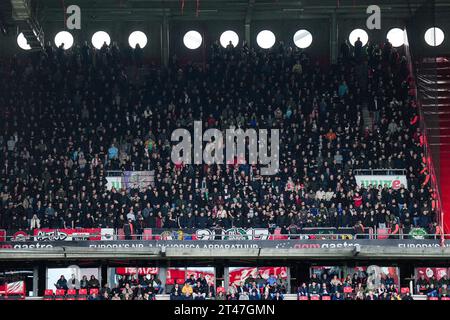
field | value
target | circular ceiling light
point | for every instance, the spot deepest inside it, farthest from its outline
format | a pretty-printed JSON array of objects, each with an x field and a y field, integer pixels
[
  {"x": 358, "y": 33},
  {"x": 434, "y": 37},
  {"x": 64, "y": 37},
  {"x": 192, "y": 39},
  {"x": 137, "y": 37},
  {"x": 99, "y": 38},
  {"x": 265, "y": 39},
  {"x": 396, "y": 37},
  {"x": 22, "y": 42},
  {"x": 303, "y": 38},
  {"x": 228, "y": 36}
]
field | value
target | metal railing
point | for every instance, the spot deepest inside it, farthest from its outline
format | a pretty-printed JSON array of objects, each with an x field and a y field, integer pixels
[{"x": 373, "y": 235}]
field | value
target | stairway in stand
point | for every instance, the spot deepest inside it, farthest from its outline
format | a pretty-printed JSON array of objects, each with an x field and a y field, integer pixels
[{"x": 433, "y": 80}]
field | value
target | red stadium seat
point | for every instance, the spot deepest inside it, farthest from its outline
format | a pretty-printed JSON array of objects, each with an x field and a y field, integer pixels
[
  {"x": 82, "y": 294},
  {"x": 348, "y": 289},
  {"x": 445, "y": 298},
  {"x": 93, "y": 290},
  {"x": 303, "y": 298},
  {"x": 170, "y": 281},
  {"x": 383, "y": 233},
  {"x": 315, "y": 297},
  {"x": 48, "y": 294},
  {"x": 180, "y": 281},
  {"x": 433, "y": 298},
  {"x": 71, "y": 294},
  {"x": 220, "y": 289},
  {"x": 404, "y": 290},
  {"x": 59, "y": 295}
]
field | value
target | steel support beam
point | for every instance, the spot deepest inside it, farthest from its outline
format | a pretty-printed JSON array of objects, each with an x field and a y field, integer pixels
[
  {"x": 334, "y": 30},
  {"x": 165, "y": 53},
  {"x": 248, "y": 22}
]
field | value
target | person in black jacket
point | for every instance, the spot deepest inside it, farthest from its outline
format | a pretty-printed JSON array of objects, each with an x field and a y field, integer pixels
[
  {"x": 61, "y": 283},
  {"x": 175, "y": 293}
]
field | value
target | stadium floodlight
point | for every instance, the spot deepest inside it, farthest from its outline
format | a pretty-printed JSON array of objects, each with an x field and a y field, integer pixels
[
  {"x": 228, "y": 36},
  {"x": 265, "y": 39},
  {"x": 396, "y": 37},
  {"x": 64, "y": 37},
  {"x": 358, "y": 33},
  {"x": 303, "y": 38},
  {"x": 137, "y": 37},
  {"x": 99, "y": 38},
  {"x": 22, "y": 42},
  {"x": 192, "y": 39},
  {"x": 434, "y": 36}
]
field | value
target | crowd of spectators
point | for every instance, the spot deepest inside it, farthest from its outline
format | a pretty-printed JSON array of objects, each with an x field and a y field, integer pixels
[
  {"x": 193, "y": 289},
  {"x": 433, "y": 287},
  {"x": 132, "y": 287},
  {"x": 350, "y": 288},
  {"x": 70, "y": 116}
]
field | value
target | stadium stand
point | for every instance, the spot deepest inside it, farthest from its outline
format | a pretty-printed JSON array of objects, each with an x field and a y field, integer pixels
[{"x": 72, "y": 116}]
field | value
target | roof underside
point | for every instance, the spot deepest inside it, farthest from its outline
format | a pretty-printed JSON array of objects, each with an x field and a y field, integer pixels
[{"x": 144, "y": 10}]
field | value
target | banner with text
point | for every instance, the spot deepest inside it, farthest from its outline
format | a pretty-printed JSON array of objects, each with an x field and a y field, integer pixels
[{"x": 394, "y": 181}]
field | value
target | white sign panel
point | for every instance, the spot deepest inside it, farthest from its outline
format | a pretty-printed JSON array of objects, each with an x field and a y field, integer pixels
[
  {"x": 115, "y": 182},
  {"x": 393, "y": 182}
]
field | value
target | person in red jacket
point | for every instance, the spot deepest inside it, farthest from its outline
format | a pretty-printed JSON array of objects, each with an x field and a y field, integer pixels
[{"x": 357, "y": 200}]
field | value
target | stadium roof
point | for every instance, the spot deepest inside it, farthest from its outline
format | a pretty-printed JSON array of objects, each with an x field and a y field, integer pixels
[{"x": 143, "y": 10}]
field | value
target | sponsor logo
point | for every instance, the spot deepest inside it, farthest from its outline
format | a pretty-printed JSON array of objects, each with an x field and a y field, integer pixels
[
  {"x": 20, "y": 236},
  {"x": 54, "y": 235}
]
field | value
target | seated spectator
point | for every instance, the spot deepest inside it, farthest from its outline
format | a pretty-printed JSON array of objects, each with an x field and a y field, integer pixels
[
  {"x": 61, "y": 283},
  {"x": 266, "y": 296},
  {"x": 116, "y": 296},
  {"x": 444, "y": 280},
  {"x": 371, "y": 296},
  {"x": 324, "y": 290},
  {"x": 199, "y": 291},
  {"x": 254, "y": 294},
  {"x": 232, "y": 296},
  {"x": 395, "y": 296},
  {"x": 93, "y": 296},
  {"x": 127, "y": 290},
  {"x": 337, "y": 296},
  {"x": 191, "y": 280},
  {"x": 335, "y": 285},
  {"x": 422, "y": 284},
  {"x": 105, "y": 296},
  {"x": 432, "y": 291},
  {"x": 73, "y": 282},
  {"x": 407, "y": 297},
  {"x": 84, "y": 283},
  {"x": 271, "y": 280},
  {"x": 244, "y": 296},
  {"x": 93, "y": 283},
  {"x": 302, "y": 291},
  {"x": 175, "y": 293},
  {"x": 278, "y": 296},
  {"x": 220, "y": 296},
  {"x": 187, "y": 289},
  {"x": 443, "y": 291},
  {"x": 105, "y": 289},
  {"x": 388, "y": 280},
  {"x": 260, "y": 282},
  {"x": 314, "y": 288}
]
